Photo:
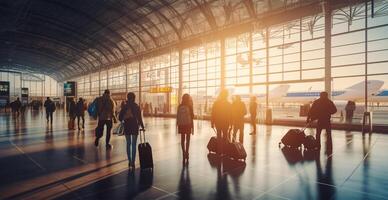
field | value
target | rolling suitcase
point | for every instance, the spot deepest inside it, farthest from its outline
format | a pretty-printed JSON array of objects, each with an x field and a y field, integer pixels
[
  {"x": 237, "y": 151},
  {"x": 212, "y": 144},
  {"x": 294, "y": 138},
  {"x": 145, "y": 154},
  {"x": 71, "y": 124},
  {"x": 310, "y": 143}
]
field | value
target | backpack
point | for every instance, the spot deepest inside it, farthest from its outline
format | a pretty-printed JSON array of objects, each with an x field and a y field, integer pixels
[
  {"x": 53, "y": 107},
  {"x": 127, "y": 113},
  {"x": 92, "y": 109},
  {"x": 183, "y": 116}
]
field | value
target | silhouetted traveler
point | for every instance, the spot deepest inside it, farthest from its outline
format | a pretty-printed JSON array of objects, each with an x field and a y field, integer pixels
[
  {"x": 253, "y": 113},
  {"x": 50, "y": 109},
  {"x": 72, "y": 110},
  {"x": 239, "y": 110},
  {"x": 80, "y": 113},
  {"x": 184, "y": 121},
  {"x": 221, "y": 118},
  {"x": 15, "y": 107},
  {"x": 105, "y": 114},
  {"x": 321, "y": 110},
  {"x": 349, "y": 108},
  {"x": 130, "y": 116}
]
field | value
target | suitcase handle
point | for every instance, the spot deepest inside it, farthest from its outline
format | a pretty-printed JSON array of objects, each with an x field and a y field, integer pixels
[
  {"x": 305, "y": 127},
  {"x": 142, "y": 130}
]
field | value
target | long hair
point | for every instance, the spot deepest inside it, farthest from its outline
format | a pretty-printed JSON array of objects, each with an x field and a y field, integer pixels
[{"x": 186, "y": 100}]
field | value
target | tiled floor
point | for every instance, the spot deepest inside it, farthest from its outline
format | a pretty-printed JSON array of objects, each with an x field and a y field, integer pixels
[{"x": 38, "y": 162}]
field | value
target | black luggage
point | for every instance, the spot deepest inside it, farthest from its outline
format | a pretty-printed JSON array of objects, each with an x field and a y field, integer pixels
[
  {"x": 212, "y": 144},
  {"x": 145, "y": 154},
  {"x": 294, "y": 138},
  {"x": 310, "y": 143},
  {"x": 237, "y": 151}
]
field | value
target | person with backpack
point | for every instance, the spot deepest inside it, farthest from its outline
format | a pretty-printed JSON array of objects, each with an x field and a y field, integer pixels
[
  {"x": 50, "y": 109},
  {"x": 130, "y": 116},
  {"x": 221, "y": 119},
  {"x": 239, "y": 111},
  {"x": 184, "y": 122},
  {"x": 80, "y": 113},
  {"x": 321, "y": 110},
  {"x": 106, "y": 116},
  {"x": 72, "y": 110}
]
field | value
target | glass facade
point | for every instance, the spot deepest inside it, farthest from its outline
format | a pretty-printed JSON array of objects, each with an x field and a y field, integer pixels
[
  {"x": 39, "y": 86},
  {"x": 282, "y": 63}
]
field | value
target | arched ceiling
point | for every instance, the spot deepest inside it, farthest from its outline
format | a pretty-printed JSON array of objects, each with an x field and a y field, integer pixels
[{"x": 66, "y": 38}]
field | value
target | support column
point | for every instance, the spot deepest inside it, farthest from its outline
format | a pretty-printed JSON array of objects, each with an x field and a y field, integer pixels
[
  {"x": 126, "y": 78},
  {"x": 250, "y": 60},
  {"x": 140, "y": 99},
  {"x": 328, "y": 22},
  {"x": 180, "y": 75},
  {"x": 222, "y": 49},
  {"x": 366, "y": 55},
  {"x": 267, "y": 67}
]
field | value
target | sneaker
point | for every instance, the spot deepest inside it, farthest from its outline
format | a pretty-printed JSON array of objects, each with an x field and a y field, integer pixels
[
  {"x": 108, "y": 146},
  {"x": 96, "y": 142}
]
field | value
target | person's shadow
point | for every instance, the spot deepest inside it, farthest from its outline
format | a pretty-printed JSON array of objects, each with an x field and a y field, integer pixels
[
  {"x": 325, "y": 183},
  {"x": 184, "y": 187}
]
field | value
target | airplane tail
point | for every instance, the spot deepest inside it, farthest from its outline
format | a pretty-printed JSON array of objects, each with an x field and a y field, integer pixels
[
  {"x": 373, "y": 85},
  {"x": 279, "y": 91}
]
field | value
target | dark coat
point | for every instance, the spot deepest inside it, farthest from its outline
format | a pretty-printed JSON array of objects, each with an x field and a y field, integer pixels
[
  {"x": 49, "y": 105},
  {"x": 80, "y": 108},
  {"x": 239, "y": 110},
  {"x": 72, "y": 109},
  {"x": 131, "y": 126},
  {"x": 321, "y": 110},
  {"x": 221, "y": 113}
]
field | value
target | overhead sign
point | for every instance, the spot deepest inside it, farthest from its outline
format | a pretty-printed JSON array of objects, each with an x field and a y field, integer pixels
[
  {"x": 4, "y": 88},
  {"x": 160, "y": 89},
  {"x": 69, "y": 89},
  {"x": 24, "y": 92}
]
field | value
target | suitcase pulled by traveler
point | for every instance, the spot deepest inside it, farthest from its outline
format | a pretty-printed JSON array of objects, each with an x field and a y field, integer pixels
[
  {"x": 212, "y": 144},
  {"x": 71, "y": 124},
  {"x": 145, "y": 153},
  {"x": 236, "y": 151},
  {"x": 294, "y": 138},
  {"x": 310, "y": 143}
]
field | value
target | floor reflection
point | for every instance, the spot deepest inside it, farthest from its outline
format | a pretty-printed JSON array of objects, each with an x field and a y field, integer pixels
[{"x": 70, "y": 158}]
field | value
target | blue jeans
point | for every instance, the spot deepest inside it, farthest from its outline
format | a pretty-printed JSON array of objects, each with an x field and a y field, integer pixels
[{"x": 131, "y": 148}]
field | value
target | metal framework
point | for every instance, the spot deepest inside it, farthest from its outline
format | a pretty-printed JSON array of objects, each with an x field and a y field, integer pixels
[{"x": 64, "y": 39}]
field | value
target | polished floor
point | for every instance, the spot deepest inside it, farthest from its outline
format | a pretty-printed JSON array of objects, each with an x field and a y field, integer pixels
[{"x": 41, "y": 162}]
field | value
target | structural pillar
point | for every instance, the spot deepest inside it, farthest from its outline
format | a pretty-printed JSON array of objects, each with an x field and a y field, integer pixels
[
  {"x": 222, "y": 49},
  {"x": 250, "y": 60},
  {"x": 328, "y": 23},
  {"x": 140, "y": 100},
  {"x": 180, "y": 74}
]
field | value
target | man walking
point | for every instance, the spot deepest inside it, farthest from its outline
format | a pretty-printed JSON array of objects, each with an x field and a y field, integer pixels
[
  {"x": 106, "y": 116},
  {"x": 50, "y": 108}
]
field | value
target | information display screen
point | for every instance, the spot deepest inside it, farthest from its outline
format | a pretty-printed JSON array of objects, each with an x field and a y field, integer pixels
[
  {"x": 4, "y": 88},
  {"x": 69, "y": 89}
]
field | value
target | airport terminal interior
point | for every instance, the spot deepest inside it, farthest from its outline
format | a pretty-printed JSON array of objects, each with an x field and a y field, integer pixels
[{"x": 280, "y": 55}]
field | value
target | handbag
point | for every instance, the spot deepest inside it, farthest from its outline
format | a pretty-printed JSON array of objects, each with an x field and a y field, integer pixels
[{"x": 119, "y": 129}]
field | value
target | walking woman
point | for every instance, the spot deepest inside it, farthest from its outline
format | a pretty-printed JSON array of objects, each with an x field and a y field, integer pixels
[
  {"x": 184, "y": 121},
  {"x": 130, "y": 116}
]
